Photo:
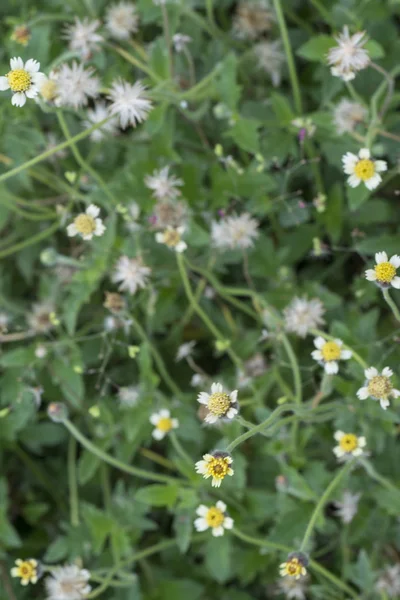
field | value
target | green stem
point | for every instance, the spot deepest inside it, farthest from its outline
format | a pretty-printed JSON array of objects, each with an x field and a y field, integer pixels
[
  {"x": 313, "y": 564},
  {"x": 379, "y": 478},
  {"x": 357, "y": 357},
  {"x": 289, "y": 56},
  {"x": 44, "y": 155},
  {"x": 168, "y": 43},
  {"x": 295, "y": 368},
  {"x": 137, "y": 63},
  {"x": 321, "y": 502},
  {"x": 136, "y": 472},
  {"x": 180, "y": 449},
  {"x": 72, "y": 483},
  {"x": 391, "y": 304},
  {"x": 105, "y": 483},
  {"x": 33, "y": 240}
]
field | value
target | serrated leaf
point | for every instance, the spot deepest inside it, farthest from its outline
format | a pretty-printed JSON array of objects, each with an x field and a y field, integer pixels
[{"x": 245, "y": 135}]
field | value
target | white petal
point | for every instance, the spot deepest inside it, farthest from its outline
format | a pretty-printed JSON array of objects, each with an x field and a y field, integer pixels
[
  {"x": 233, "y": 396},
  {"x": 93, "y": 210},
  {"x": 210, "y": 418},
  {"x": 175, "y": 423},
  {"x": 181, "y": 246},
  {"x": 221, "y": 505},
  {"x": 203, "y": 398},
  {"x": 338, "y": 342},
  {"x": 381, "y": 257},
  {"x": 349, "y": 161},
  {"x": 201, "y": 467},
  {"x": 87, "y": 236},
  {"x": 319, "y": 342},
  {"x": 357, "y": 452},
  {"x": 371, "y": 372},
  {"x": 72, "y": 230},
  {"x": 14, "y": 572},
  {"x": 216, "y": 482},
  {"x": 370, "y": 274},
  {"x": 164, "y": 413},
  {"x": 159, "y": 237},
  {"x": 216, "y": 388},
  {"x": 16, "y": 63},
  {"x": 338, "y": 451},
  {"x": 364, "y": 153},
  {"x": 202, "y": 510},
  {"x": 354, "y": 181},
  {"x": 18, "y": 99},
  {"x": 346, "y": 354},
  {"x": 218, "y": 531},
  {"x": 154, "y": 418},
  {"x": 317, "y": 355},
  {"x": 331, "y": 367},
  {"x": 395, "y": 261},
  {"x": 32, "y": 65},
  {"x": 32, "y": 92},
  {"x": 387, "y": 372},
  {"x": 338, "y": 435},
  {"x": 373, "y": 182},
  {"x": 395, "y": 393},
  {"x": 201, "y": 524},
  {"x": 395, "y": 282},
  {"x": 232, "y": 412},
  {"x": 228, "y": 523},
  {"x": 363, "y": 393},
  {"x": 362, "y": 442},
  {"x": 384, "y": 403},
  {"x": 380, "y": 165},
  {"x": 158, "y": 434},
  {"x": 4, "y": 85}
]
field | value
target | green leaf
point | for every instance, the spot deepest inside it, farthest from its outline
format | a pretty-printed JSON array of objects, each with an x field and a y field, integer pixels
[
  {"x": 226, "y": 82},
  {"x": 218, "y": 558},
  {"x": 100, "y": 525},
  {"x": 282, "y": 108},
  {"x": 357, "y": 196},
  {"x": 70, "y": 382},
  {"x": 333, "y": 215},
  {"x": 293, "y": 214},
  {"x": 18, "y": 357},
  {"x": 375, "y": 49},
  {"x": 57, "y": 550},
  {"x": 316, "y": 48},
  {"x": 158, "y": 495},
  {"x": 183, "y": 526},
  {"x": 87, "y": 466},
  {"x": 245, "y": 135}
]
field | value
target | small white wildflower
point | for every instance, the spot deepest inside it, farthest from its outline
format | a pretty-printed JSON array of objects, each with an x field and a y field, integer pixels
[
  {"x": 253, "y": 19},
  {"x": 171, "y": 237},
  {"x": 180, "y": 41},
  {"x": 67, "y": 583},
  {"x": 87, "y": 224},
  {"x": 302, "y": 315},
  {"x": 349, "y": 445},
  {"x": 75, "y": 85},
  {"x": 293, "y": 589},
  {"x": 131, "y": 273},
  {"x": 198, "y": 380},
  {"x": 163, "y": 423},
  {"x": 329, "y": 353},
  {"x": 220, "y": 404},
  {"x": 26, "y": 570},
  {"x": 23, "y": 79},
  {"x": 4, "y": 322},
  {"x": 349, "y": 56},
  {"x": 216, "y": 465},
  {"x": 363, "y": 168},
  {"x": 378, "y": 386},
  {"x": 129, "y": 102},
  {"x": 122, "y": 20},
  {"x": 235, "y": 232},
  {"x": 129, "y": 396},
  {"x": 347, "y": 508},
  {"x": 163, "y": 185},
  {"x": 40, "y": 351},
  {"x": 384, "y": 272},
  {"x": 94, "y": 116},
  {"x": 185, "y": 350},
  {"x": 40, "y": 318},
  {"x": 83, "y": 37},
  {"x": 389, "y": 581},
  {"x": 295, "y": 566},
  {"x": 213, "y": 517},
  {"x": 347, "y": 115},
  {"x": 271, "y": 59}
]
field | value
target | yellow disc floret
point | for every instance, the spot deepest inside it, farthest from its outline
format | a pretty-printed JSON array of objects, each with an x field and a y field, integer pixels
[
  {"x": 380, "y": 387},
  {"x": 330, "y": 351},
  {"x": 385, "y": 272},
  {"x": 218, "y": 467},
  {"x": 165, "y": 424},
  {"x": 172, "y": 238},
  {"x": 48, "y": 90},
  {"x": 293, "y": 568},
  {"x": 214, "y": 517},
  {"x": 218, "y": 403},
  {"x": 364, "y": 169},
  {"x": 348, "y": 442},
  {"x": 85, "y": 224},
  {"x": 26, "y": 570},
  {"x": 19, "y": 80}
]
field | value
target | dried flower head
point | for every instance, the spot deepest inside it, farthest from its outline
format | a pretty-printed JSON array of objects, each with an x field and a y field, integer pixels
[
  {"x": 131, "y": 273},
  {"x": 389, "y": 581},
  {"x": 293, "y": 589},
  {"x": 347, "y": 115},
  {"x": 216, "y": 465},
  {"x": 68, "y": 583},
  {"x": 76, "y": 85},
  {"x": 114, "y": 302},
  {"x": 213, "y": 517},
  {"x": 129, "y": 102},
  {"x": 129, "y": 396},
  {"x": 180, "y": 41},
  {"x": 163, "y": 185},
  {"x": 302, "y": 315},
  {"x": 21, "y": 35},
  {"x": 40, "y": 318},
  {"x": 271, "y": 59},
  {"x": 83, "y": 37},
  {"x": 253, "y": 18},
  {"x": 122, "y": 20},
  {"x": 235, "y": 232},
  {"x": 349, "y": 56},
  {"x": 185, "y": 350},
  {"x": 378, "y": 386},
  {"x": 347, "y": 508},
  {"x": 96, "y": 115}
]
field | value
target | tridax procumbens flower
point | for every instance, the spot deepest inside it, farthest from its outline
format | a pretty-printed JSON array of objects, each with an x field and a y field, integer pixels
[
  {"x": 172, "y": 237},
  {"x": 87, "y": 224},
  {"x": 302, "y": 315},
  {"x": 68, "y": 583},
  {"x": 23, "y": 80},
  {"x": 348, "y": 445},
  {"x": 328, "y": 354},
  {"x": 26, "y": 570},
  {"x": 163, "y": 423},
  {"x": 216, "y": 465},
  {"x": 213, "y": 517},
  {"x": 378, "y": 386},
  {"x": 294, "y": 566},
  {"x": 349, "y": 56},
  {"x": 384, "y": 272},
  {"x": 131, "y": 274},
  {"x": 219, "y": 403},
  {"x": 363, "y": 168}
]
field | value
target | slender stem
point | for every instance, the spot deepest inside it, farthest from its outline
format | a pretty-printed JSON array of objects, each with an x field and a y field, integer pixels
[
  {"x": 389, "y": 301},
  {"x": 321, "y": 502},
  {"x": 105, "y": 483},
  {"x": 379, "y": 478},
  {"x": 289, "y": 56},
  {"x": 180, "y": 449},
  {"x": 41, "y": 157},
  {"x": 167, "y": 36},
  {"x": 32, "y": 240},
  {"x": 389, "y": 135},
  {"x": 356, "y": 356},
  {"x": 136, "y": 472},
  {"x": 137, "y": 63},
  {"x": 313, "y": 564},
  {"x": 139, "y": 49},
  {"x": 72, "y": 483},
  {"x": 295, "y": 368}
]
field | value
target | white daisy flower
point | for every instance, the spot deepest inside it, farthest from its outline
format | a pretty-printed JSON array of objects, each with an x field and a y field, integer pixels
[
  {"x": 131, "y": 273},
  {"x": 363, "y": 168},
  {"x": 129, "y": 102},
  {"x": 180, "y": 41},
  {"x": 295, "y": 566},
  {"x": 122, "y": 20},
  {"x": 349, "y": 56},
  {"x": 347, "y": 114},
  {"x": 384, "y": 272},
  {"x": 185, "y": 350},
  {"x": 94, "y": 116},
  {"x": 163, "y": 185},
  {"x": 23, "y": 79},
  {"x": 220, "y": 404},
  {"x": 82, "y": 37},
  {"x": 347, "y": 508},
  {"x": 67, "y": 583},
  {"x": 75, "y": 85},
  {"x": 378, "y": 386},
  {"x": 26, "y": 571},
  {"x": 349, "y": 445},
  {"x": 171, "y": 237},
  {"x": 163, "y": 423},
  {"x": 302, "y": 315},
  {"x": 329, "y": 353},
  {"x": 216, "y": 465},
  {"x": 87, "y": 224},
  {"x": 235, "y": 232},
  {"x": 129, "y": 396},
  {"x": 271, "y": 59},
  {"x": 214, "y": 517},
  {"x": 253, "y": 19}
]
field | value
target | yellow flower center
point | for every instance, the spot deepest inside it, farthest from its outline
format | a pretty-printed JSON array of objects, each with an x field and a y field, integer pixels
[
  {"x": 172, "y": 238},
  {"x": 385, "y": 272},
  {"x": 215, "y": 517},
  {"x": 218, "y": 403},
  {"x": 21, "y": 35},
  {"x": 48, "y": 90},
  {"x": 349, "y": 442},
  {"x": 330, "y": 351},
  {"x": 85, "y": 224},
  {"x": 380, "y": 386},
  {"x": 26, "y": 570},
  {"x": 164, "y": 424},
  {"x": 218, "y": 467},
  {"x": 294, "y": 568},
  {"x": 19, "y": 80},
  {"x": 365, "y": 169}
]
